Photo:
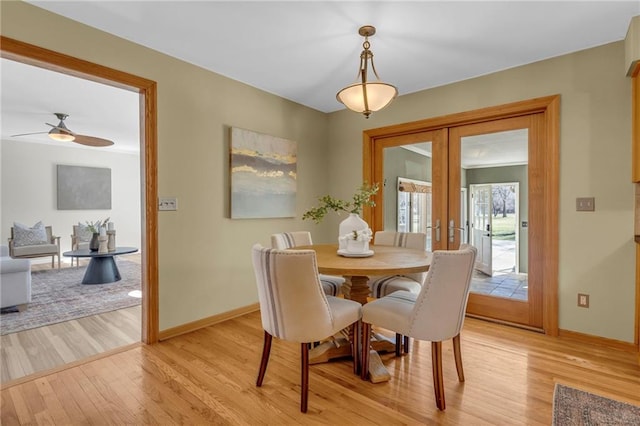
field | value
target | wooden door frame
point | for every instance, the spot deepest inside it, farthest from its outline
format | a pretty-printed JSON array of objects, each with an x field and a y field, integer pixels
[
  {"x": 549, "y": 106},
  {"x": 51, "y": 60}
]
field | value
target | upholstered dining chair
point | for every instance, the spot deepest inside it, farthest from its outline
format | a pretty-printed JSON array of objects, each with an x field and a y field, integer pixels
[
  {"x": 435, "y": 314},
  {"x": 331, "y": 284},
  {"x": 294, "y": 307},
  {"x": 381, "y": 286}
]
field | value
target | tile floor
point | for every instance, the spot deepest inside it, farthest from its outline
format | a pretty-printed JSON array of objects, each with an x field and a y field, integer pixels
[{"x": 504, "y": 282}]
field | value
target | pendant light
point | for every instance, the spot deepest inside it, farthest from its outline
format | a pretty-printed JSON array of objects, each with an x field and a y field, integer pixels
[{"x": 367, "y": 96}]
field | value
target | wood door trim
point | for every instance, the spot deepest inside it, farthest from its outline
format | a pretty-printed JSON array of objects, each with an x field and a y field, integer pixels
[
  {"x": 34, "y": 55},
  {"x": 549, "y": 106}
]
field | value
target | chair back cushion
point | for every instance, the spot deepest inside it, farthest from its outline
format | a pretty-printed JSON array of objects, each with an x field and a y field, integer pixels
[
  {"x": 439, "y": 310},
  {"x": 288, "y": 240},
  {"x": 411, "y": 240},
  {"x": 24, "y": 235},
  {"x": 293, "y": 305}
]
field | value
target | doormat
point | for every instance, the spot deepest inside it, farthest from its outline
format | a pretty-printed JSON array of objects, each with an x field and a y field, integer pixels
[
  {"x": 57, "y": 295},
  {"x": 573, "y": 407}
]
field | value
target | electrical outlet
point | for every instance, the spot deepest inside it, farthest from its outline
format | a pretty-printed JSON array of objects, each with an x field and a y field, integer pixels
[
  {"x": 585, "y": 204},
  {"x": 583, "y": 300},
  {"x": 167, "y": 203}
]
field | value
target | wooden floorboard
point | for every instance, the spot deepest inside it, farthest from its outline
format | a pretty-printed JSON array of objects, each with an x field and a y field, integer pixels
[
  {"x": 41, "y": 349},
  {"x": 208, "y": 377}
]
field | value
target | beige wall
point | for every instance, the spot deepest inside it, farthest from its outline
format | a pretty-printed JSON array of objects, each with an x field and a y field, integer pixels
[
  {"x": 596, "y": 249},
  {"x": 204, "y": 256}
]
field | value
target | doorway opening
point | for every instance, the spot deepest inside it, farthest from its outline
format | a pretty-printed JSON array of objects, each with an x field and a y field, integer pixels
[
  {"x": 146, "y": 90},
  {"x": 495, "y": 225}
]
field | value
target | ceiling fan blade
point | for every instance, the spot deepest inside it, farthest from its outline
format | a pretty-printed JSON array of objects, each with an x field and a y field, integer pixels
[
  {"x": 92, "y": 141},
  {"x": 26, "y": 134}
]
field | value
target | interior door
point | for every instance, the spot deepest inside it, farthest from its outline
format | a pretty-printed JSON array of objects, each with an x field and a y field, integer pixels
[
  {"x": 481, "y": 213},
  {"x": 476, "y": 156},
  {"x": 418, "y": 202}
]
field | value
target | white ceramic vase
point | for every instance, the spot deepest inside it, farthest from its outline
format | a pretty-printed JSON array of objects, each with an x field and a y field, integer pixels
[{"x": 350, "y": 224}]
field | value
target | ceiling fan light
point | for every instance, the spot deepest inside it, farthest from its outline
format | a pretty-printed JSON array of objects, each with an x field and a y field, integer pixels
[{"x": 60, "y": 135}]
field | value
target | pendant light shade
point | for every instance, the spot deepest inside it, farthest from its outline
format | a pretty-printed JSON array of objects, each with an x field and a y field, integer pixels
[{"x": 364, "y": 96}]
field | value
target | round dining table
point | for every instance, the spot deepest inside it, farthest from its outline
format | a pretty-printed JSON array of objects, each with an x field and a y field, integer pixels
[{"x": 385, "y": 260}]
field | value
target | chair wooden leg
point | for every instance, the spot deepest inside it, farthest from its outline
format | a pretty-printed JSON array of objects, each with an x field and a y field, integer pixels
[
  {"x": 354, "y": 338},
  {"x": 398, "y": 343},
  {"x": 266, "y": 350},
  {"x": 364, "y": 348},
  {"x": 436, "y": 365},
  {"x": 304, "y": 382},
  {"x": 458, "y": 357},
  {"x": 406, "y": 344}
]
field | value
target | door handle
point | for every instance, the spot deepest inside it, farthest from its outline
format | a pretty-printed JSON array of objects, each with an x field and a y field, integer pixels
[
  {"x": 452, "y": 231},
  {"x": 437, "y": 228}
]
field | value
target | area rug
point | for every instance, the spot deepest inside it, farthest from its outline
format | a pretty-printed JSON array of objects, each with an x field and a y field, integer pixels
[
  {"x": 573, "y": 407},
  {"x": 57, "y": 295}
]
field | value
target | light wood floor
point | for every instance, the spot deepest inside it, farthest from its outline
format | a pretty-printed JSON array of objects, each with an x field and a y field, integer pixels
[
  {"x": 208, "y": 377},
  {"x": 40, "y": 349}
]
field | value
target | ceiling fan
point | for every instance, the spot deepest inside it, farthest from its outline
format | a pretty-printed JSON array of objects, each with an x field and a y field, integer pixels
[{"x": 62, "y": 133}]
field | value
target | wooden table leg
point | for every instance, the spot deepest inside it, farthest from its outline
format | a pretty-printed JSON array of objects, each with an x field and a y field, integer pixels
[{"x": 355, "y": 288}]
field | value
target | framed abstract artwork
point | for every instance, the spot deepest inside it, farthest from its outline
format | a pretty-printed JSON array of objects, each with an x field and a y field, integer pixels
[
  {"x": 263, "y": 175},
  {"x": 84, "y": 188}
]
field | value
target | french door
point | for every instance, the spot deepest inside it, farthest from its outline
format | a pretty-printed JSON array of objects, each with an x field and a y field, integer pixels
[
  {"x": 481, "y": 209},
  {"x": 476, "y": 153},
  {"x": 456, "y": 148}
]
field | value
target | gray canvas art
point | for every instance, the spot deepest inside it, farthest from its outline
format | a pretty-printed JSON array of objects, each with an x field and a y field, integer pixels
[
  {"x": 263, "y": 175},
  {"x": 84, "y": 188}
]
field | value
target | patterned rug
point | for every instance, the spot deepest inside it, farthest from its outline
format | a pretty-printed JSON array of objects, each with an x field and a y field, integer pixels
[
  {"x": 573, "y": 407},
  {"x": 58, "y": 295}
]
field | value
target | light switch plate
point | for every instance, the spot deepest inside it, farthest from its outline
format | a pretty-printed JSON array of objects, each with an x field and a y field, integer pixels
[
  {"x": 585, "y": 204},
  {"x": 167, "y": 203}
]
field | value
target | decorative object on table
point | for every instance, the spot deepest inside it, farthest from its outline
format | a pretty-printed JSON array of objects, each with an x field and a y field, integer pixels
[
  {"x": 356, "y": 241},
  {"x": 263, "y": 175},
  {"x": 84, "y": 188},
  {"x": 111, "y": 240},
  {"x": 94, "y": 228},
  {"x": 354, "y": 222},
  {"x": 102, "y": 246},
  {"x": 365, "y": 96}
]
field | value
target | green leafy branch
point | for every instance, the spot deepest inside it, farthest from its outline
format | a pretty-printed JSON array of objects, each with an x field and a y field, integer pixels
[{"x": 362, "y": 197}]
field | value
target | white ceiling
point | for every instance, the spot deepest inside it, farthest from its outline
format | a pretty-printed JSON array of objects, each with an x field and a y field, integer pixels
[{"x": 306, "y": 51}]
